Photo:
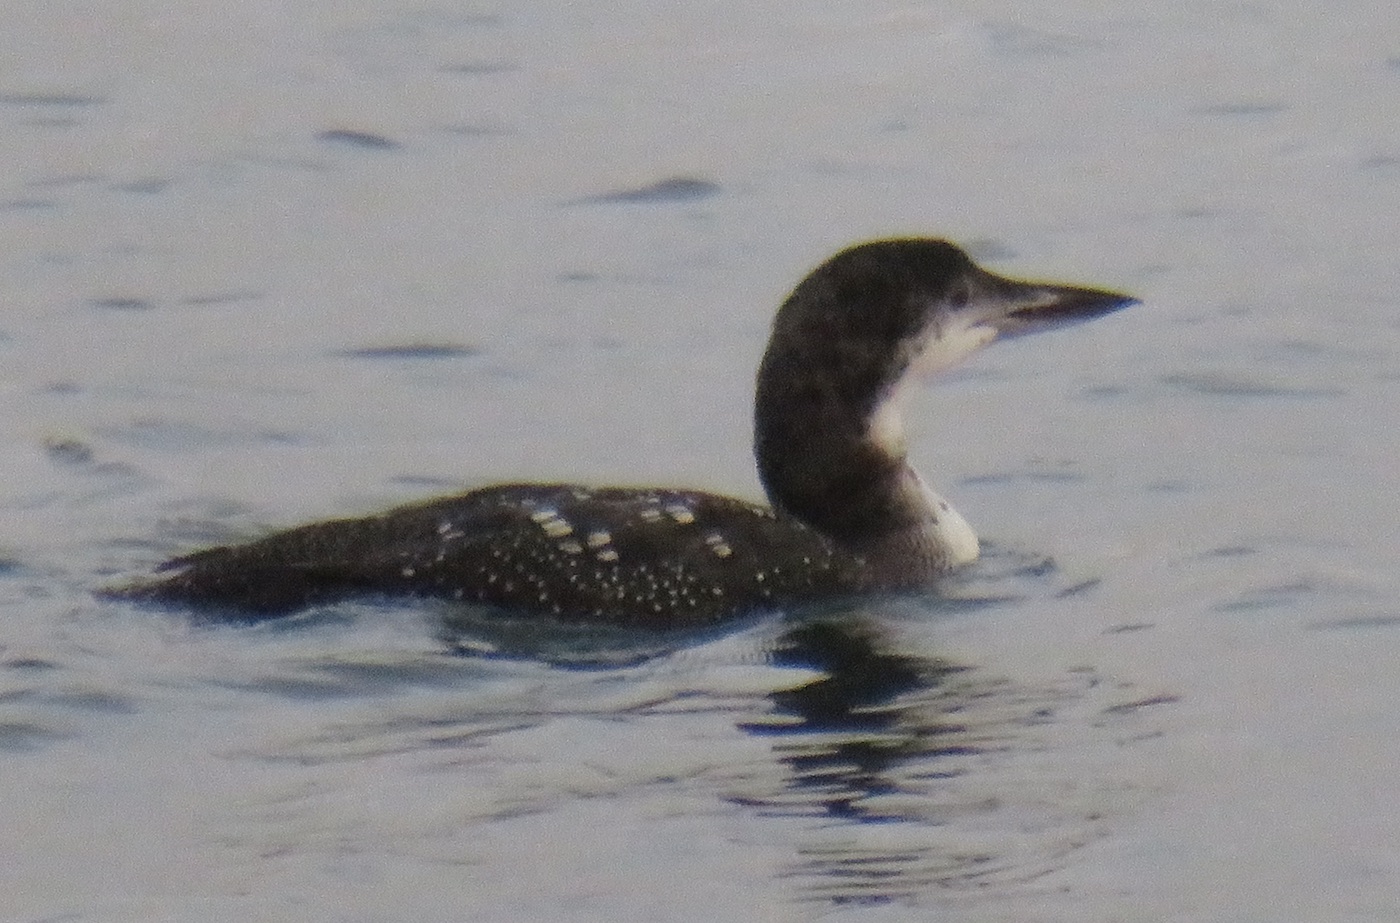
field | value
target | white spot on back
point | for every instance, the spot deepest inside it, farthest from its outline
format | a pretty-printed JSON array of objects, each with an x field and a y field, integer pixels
[
  {"x": 557, "y": 528},
  {"x": 680, "y": 513}
]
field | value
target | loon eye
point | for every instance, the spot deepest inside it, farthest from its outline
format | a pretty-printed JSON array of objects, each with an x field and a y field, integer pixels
[{"x": 959, "y": 295}]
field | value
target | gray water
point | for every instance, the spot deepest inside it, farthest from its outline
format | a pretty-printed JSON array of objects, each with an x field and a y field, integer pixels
[{"x": 269, "y": 262}]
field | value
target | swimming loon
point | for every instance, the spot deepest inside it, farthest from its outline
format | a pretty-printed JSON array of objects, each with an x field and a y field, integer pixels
[{"x": 848, "y": 513}]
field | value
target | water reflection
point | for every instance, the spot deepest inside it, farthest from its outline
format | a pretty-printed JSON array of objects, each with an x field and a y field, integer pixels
[
  {"x": 891, "y": 754},
  {"x": 842, "y": 734}
]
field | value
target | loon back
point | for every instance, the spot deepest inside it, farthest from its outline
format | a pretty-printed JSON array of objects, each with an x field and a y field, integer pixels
[
  {"x": 644, "y": 558},
  {"x": 849, "y": 513}
]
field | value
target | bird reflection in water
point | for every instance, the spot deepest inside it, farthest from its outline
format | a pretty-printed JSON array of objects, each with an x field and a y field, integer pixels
[
  {"x": 896, "y": 774},
  {"x": 882, "y": 750},
  {"x": 847, "y": 728}
]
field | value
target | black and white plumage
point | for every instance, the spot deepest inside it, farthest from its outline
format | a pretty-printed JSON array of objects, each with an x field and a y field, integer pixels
[{"x": 849, "y": 513}]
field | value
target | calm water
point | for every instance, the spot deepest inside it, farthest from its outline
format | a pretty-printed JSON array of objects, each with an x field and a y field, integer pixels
[{"x": 262, "y": 264}]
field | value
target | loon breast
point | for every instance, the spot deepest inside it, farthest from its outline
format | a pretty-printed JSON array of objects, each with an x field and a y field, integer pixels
[{"x": 848, "y": 513}]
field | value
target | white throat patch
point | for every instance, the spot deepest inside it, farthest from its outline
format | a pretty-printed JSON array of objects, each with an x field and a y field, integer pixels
[
  {"x": 952, "y": 345},
  {"x": 950, "y": 530}
]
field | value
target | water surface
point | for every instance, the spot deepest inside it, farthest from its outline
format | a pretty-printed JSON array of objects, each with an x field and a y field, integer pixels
[{"x": 265, "y": 264}]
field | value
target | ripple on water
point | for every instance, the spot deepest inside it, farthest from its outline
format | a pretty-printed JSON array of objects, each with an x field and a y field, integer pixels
[
  {"x": 27, "y": 736},
  {"x": 153, "y": 432},
  {"x": 1243, "y": 109},
  {"x": 40, "y": 702},
  {"x": 52, "y": 100},
  {"x": 121, "y": 303},
  {"x": 1220, "y": 384},
  {"x": 355, "y": 138},
  {"x": 1357, "y": 623},
  {"x": 412, "y": 351},
  {"x": 671, "y": 190}
]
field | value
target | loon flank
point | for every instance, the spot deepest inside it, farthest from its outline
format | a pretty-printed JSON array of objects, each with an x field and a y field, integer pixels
[{"x": 848, "y": 514}]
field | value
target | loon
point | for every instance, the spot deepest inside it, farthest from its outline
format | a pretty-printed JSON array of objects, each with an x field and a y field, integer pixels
[{"x": 848, "y": 515}]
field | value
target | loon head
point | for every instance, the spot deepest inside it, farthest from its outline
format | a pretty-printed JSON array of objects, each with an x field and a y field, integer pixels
[
  {"x": 879, "y": 310},
  {"x": 829, "y": 437}
]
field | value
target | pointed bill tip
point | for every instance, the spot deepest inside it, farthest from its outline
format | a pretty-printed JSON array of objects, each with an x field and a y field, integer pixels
[{"x": 1034, "y": 307}]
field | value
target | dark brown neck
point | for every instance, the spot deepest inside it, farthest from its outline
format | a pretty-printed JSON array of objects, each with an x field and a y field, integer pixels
[{"x": 823, "y": 458}]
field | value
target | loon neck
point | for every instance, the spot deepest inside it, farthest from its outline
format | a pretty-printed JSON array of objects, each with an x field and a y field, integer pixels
[{"x": 833, "y": 455}]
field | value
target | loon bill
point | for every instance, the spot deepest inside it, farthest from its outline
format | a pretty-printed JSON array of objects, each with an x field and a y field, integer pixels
[{"x": 848, "y": 513}]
